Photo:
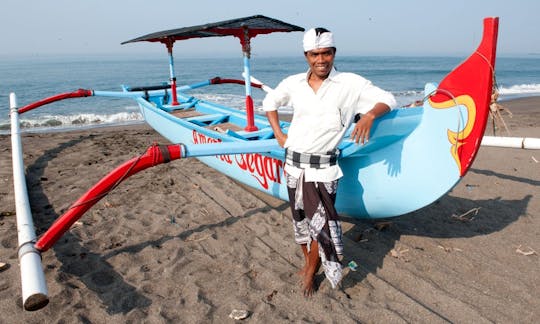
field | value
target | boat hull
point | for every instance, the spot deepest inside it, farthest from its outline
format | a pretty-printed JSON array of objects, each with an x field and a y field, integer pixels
[
  {"x": 260, "y": 171},
  {"x": 389, "y": 176},
  {"x": 414, "y": 156}
]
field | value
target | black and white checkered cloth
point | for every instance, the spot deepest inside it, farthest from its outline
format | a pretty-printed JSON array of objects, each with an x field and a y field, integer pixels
[{"x": 316, "y": 161}]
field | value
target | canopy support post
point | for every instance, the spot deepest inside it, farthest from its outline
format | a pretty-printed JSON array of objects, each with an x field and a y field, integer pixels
[
  {"x": 171, "y": 72},
  {"x": 246, "y": 50}
]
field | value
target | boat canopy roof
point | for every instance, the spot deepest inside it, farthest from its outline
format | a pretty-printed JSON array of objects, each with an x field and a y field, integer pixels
[{"x": 241, "y": 27}]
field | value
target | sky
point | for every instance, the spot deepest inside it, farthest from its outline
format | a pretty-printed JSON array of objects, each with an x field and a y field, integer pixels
[{"x": 360, "y": 27}]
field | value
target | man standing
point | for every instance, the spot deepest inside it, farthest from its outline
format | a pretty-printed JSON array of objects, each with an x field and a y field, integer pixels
[{"x": 324, "y": 104}]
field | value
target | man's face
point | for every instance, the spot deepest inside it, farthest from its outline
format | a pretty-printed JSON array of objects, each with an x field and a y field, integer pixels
[{"x": 321, "y": 61}]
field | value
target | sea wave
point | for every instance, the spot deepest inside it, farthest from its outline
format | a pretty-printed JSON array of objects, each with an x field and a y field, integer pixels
[
  {"x": 46, "y": 122},
  {"x": 69, "y": 121},
  {"x": 518, "y": 89}
]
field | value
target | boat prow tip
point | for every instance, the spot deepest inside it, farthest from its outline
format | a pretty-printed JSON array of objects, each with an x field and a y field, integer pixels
[{"x": 471, "y": 86}]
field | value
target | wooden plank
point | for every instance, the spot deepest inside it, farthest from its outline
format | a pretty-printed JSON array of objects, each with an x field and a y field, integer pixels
[
  {"x": 185, "y": 113},
  {"x": 223, "y": 127}
]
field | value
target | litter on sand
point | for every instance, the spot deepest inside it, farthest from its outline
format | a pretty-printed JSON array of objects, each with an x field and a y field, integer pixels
[
  {"x": 399, "y": 253},
  {"x": 467, "y": 216},
  {"x": 527, "y": 252},
  {"x": 4, "y": 266},
  {"x": 449, "y": 249},
  {"x": 239, "y": 314}
]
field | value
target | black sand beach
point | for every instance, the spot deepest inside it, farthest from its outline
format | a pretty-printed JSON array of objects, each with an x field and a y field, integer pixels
[{"x": 182, "y": 243}]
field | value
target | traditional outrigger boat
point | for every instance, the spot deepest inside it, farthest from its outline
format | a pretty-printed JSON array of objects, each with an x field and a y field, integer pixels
[{"x": 414, "y": 156}]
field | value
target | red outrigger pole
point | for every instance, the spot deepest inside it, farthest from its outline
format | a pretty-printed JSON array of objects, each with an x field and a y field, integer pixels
[
  {"x": 75, "y": 94},
  {"x": 154, "y": 155}
]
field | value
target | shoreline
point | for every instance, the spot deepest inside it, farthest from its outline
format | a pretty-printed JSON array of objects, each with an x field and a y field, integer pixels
[
  {"x": 183, "y": 243},
  {"x": 525, "y": 104},
  {"x": 522, "y": 104}
]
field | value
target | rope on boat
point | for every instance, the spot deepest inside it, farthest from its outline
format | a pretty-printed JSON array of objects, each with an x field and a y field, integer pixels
[
  {"x": 163, "y": 150},
  {"x": 495, "y": 112},
  {"x": 494, "y": 106},
  {"x": 95, "y": 199},
  {"x": 451, "y": 95}
]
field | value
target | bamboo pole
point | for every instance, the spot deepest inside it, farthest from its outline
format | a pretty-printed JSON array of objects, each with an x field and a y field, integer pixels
[
  {"x": 33, "y": 284},
  {"x": 529, "y": 143}
]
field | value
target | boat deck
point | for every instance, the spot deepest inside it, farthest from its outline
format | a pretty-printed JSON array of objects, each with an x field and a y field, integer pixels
[
  {"x": 185, "y": 113},
  {"x": 221, "y": 123}
]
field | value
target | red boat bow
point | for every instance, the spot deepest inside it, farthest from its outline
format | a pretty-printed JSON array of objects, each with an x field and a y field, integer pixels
[{"x": 471, "y": 85}]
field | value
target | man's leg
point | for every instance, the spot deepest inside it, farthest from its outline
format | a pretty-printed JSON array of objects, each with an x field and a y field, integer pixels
[
  {"x": 312, "y": 265},
  {"x": 302, "y": 237},
  {"x": 324, "y": 228},
  {"x": 301, "y": 234},
  {"x": 302, "y": 271}
]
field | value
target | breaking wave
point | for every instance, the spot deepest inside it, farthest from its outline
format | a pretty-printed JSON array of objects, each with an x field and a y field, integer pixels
[
  {"x": 48, "y": 122},
  {"x": 520, "y": 89}
]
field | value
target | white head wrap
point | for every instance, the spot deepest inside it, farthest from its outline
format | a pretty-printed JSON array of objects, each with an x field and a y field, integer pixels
[{"x": 313, "y": 41}]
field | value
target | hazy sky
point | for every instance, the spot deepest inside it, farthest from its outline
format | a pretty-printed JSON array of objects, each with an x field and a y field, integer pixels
[{"x": 361, "y": 27}]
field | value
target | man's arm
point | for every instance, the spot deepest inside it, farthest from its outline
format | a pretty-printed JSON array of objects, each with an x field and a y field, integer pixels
[
  {"x": 363, "y": 126},
  {"x": 273, "y": 119}
]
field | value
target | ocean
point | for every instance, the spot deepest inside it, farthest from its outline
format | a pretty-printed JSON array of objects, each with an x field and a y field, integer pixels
[{"x": 34, "y": 78}]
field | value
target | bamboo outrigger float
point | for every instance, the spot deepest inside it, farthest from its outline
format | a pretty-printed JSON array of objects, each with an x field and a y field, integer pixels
[
  {"x": 414, "y": 156},
  {"x": 528, "y": 143},
  {"x": 34, "y": 287}
]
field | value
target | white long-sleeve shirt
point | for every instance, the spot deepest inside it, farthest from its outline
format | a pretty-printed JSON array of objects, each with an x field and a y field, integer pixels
[{"x": 321, "y": 119}]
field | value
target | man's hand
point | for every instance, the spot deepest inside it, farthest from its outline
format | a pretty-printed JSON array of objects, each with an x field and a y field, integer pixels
[
  {"x": 361, "y": 131},
  {"x": 360, "y": 134},
  {"x": 281, "y": 138},
  {"x": 274, "y": 123}
]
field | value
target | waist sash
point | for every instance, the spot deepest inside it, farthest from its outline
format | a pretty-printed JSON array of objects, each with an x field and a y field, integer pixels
[{"x": 307, "y": 160}]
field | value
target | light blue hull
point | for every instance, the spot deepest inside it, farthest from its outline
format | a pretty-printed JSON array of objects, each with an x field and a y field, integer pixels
[
  {"x": 261, "y": 171},
  {"x": 406, "y": 175},
  {"x": 414, "y": 156},
  {"x": 406, "y": 165}
]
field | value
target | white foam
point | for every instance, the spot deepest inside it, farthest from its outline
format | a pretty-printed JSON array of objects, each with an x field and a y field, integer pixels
[
  {"x": 61, "y": 121},
  {"x": 520, "y": 89}
]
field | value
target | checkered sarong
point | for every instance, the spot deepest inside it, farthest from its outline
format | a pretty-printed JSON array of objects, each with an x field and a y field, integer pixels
[{"x": 306, "y": 160}]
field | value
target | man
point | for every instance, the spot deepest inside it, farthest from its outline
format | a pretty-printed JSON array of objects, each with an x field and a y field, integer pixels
[{"x": 324, "y": 104}]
